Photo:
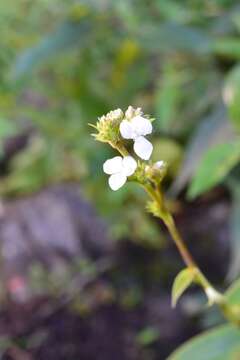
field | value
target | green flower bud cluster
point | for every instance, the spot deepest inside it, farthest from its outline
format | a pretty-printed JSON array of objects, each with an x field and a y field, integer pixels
[{"x": 108, "y": 127}]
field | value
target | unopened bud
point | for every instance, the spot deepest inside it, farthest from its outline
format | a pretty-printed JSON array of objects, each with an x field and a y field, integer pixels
[
  {"x": 108, "y": 126},
  {"x": 131, "y": 112},
  {"x": 157, "y": 171}
]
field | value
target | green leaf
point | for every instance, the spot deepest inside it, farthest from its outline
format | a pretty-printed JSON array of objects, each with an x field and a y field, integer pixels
[
  {"x": 216, "y": 344},
  {"x": 231, "y": 94},
  {"x": 232, "y": 298},
  {"x": 227, "y": 47},
  {"x": 215, "y": 165},
  {"x": 232, "y": 295},
  {"x": 182, "y": 281},
  {"x": 214, "y": 129},
  {"x": 67, "y": 36},
  {"x": 174, "y": 37}
]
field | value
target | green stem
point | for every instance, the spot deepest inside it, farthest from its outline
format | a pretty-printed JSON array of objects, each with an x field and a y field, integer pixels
[
  {"x": 166, "y": 217},
  {"x": 170, "y": 224},
  {"x": 232, "y": 314}
]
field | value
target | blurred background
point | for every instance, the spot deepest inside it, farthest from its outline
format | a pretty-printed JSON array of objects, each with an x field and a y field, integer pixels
[{"x": 86, "y": 273}]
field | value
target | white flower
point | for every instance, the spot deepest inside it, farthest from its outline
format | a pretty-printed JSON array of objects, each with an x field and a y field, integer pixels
[
  {"x": 119, "y": 168},
  {"x": 136, "y": 129},
  {"x": 160, "y": 164}
]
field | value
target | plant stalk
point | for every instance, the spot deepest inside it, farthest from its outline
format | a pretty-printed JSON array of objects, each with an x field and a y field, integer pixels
[{"x": 156, "y": 194}]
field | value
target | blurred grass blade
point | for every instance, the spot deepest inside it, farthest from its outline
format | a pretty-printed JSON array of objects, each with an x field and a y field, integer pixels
[
  {"x": 214, "y": 129},
  {"x": 216, "y": 344},
  {"x": 182, "y": 281},
  {"x": 214, "y": 167},
  {"x": 68, "y": 35}
]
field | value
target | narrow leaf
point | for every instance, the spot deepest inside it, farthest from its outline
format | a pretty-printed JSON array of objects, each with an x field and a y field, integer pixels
[
  {"x": 183, "y": 280},
  {"x": 231, "y": 95}
]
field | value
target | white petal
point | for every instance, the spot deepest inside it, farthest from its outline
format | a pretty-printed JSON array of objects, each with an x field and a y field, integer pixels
[
  {"x": 116, "y": 181},
  {"x": 113, "y": 166},
  {"x": 126, "y": 130},
  {"x": 130, "y": 112},
  {"x": 143, "y": 148},
  {"x": 116, "y": 114},
  {"x": 141, "y": 125},
  {"x": 129, "y": 165}
]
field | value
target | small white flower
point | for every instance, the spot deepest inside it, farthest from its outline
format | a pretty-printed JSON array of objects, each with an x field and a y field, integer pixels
[
  {"x": 119, "y": 168},
  {"x": 136, "y": 129},
  {"x": 160, "y": 164}
]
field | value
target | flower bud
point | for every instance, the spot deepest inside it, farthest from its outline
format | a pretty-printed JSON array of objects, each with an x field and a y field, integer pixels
[
  {"x": 156, "y": 172},
  {"x": 131, "y": 112},
  {"x": 108, "y": 126}
]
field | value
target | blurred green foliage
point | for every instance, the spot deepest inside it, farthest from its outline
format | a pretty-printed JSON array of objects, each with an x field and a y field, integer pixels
[{"x": 63, "y": 64}]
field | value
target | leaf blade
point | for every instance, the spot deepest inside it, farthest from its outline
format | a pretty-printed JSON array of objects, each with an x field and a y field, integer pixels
[
  {"x": 214, "y": 344},
  {"x": 182, "y": 281},
  {"x": 214, "y": 129},
  {"x": 214, "y": 167}
]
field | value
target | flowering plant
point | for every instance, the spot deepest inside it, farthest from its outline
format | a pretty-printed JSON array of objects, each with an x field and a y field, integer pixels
[{"x": 119, "y": 129}]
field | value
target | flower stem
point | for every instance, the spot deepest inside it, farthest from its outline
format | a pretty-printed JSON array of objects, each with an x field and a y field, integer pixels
[
  {"x": 170, "y": 224},
  {"x": 163, "y": 213},
  {"x": 187, "y": 257},
  {"x": 231, "y": 313}
]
